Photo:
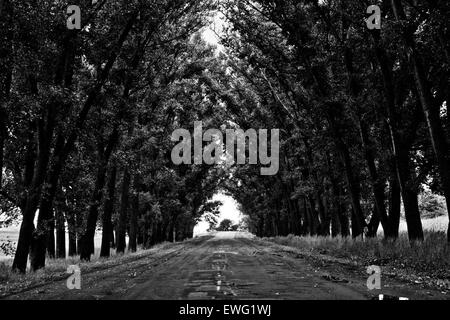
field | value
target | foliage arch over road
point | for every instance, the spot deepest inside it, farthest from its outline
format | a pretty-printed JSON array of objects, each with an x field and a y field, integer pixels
[{"x": 86, "y": 117}]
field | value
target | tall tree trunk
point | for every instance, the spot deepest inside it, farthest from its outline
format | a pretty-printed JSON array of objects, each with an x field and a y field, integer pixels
[
  {"x": 6, "y": 54},
  {"x": 132, "y": 246},
  {"x": 60, "y": 235},
  {"x": 307, "y": 219},
  {"x": 2, "y": 143},
  {"x": 122, "y": 227},
  {"x": 344, "y": 221},
  {"x": 108, "y": 234},
  {"x": 72, "y": 228},
  {"x": 315, "y": 223},
  {"x": 335, "y": 209},
  {"x": 373, "y": 225},
  {"x": 394, "y": 205},
  {"x": 87, "y": 239},
  {"x": 51, "y": 252},
  {"x": 112, "y": 237},
  {"x": 410, "y": 198},
  {"x": 322, "y": 214}
]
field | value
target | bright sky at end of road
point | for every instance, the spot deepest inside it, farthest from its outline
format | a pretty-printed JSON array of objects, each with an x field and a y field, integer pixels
[{"x": 229, "y": 210}]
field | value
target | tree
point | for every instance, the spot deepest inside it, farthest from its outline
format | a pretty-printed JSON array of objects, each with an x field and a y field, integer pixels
[{"x": 225, "y": 225}]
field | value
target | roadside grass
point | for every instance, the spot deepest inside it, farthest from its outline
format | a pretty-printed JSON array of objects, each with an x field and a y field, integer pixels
[
  {"x": 430, "y": 258},
  {"x": 56, "y": 269}
]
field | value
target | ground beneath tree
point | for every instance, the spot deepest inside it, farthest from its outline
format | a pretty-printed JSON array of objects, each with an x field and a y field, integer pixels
[{"x": 228, "y": 266}]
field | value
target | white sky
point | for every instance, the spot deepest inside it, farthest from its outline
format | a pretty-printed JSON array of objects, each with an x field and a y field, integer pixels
[
  {"x": 210, "y": 33},
  {"x": 229, "y": 210}
]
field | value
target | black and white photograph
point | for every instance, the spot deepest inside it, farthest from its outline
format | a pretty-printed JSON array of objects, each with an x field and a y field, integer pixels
[{"x": 225, "y": 155}]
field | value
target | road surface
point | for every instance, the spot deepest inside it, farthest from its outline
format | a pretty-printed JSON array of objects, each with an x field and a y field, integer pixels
[{"x": 226, "y": 266}]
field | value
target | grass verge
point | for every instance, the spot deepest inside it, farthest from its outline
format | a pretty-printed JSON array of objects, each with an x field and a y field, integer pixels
[{"x": 428, "y": 261}]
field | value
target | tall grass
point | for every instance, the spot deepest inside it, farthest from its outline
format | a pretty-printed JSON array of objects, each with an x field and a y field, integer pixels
[{"x": 431, "y": 256}]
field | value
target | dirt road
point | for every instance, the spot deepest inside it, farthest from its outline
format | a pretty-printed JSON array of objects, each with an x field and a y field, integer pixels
[{"x": 227, "y": 266}]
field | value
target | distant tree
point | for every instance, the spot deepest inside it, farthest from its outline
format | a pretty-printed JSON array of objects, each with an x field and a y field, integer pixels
[
  {"x": 431, "y": 205},
  {"x": 225, "y": 225}
]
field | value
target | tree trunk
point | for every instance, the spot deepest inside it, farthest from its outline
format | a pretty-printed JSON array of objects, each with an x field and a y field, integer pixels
[
  {"x": 394, "y": 205},
  {"x": 51, "y": 252},
  {"x": 2, "y": 143},
  {"x": 315, "y": 223},
  {"x": 344, "y": 221},
  {"x": 410, "y": 198},
  {"x": 322, "y": 214},
  {"x": 108, "y": 234},
  {"x": 24, "y": 243},
  {"x": 87, "y": 239},
  {"x": 6, "y": 50},
  {"x": 72, "y": 227},
  {"x": 60, "y": 236},
  {"x": 335, "y": 210},
  {"x": 112, "y": 237},
  {"x": 132, "y": 246},
  {"x": 374, "y": 225},
  {"x": 121, "y": 236}
]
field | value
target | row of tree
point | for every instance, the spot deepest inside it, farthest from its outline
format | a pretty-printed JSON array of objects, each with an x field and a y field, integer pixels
[
  {"x": 364, "y": 112},
  {"x": 86, "y": 117}
]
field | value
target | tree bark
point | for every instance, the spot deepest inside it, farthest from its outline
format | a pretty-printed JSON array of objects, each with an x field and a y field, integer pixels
[
  {"x": 60, "y": 235},
  {"x": 394, "y": 205},
  {"x": 6, "y": 50},
  {"x": 51, "y": 252},
  {"x": 410, "y": 198},
  {"x": 72, "y": 228},
  {"x": 373, "y": 225},
  {"x": 344, "y": 221},
  {"x": 132, "y": 246},
  {"x": 107, "y": 214},
  {"x": 121, "y": 234}
]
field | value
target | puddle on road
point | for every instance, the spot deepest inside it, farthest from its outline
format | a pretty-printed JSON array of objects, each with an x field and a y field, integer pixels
[{"x": 212, "y": 283}]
